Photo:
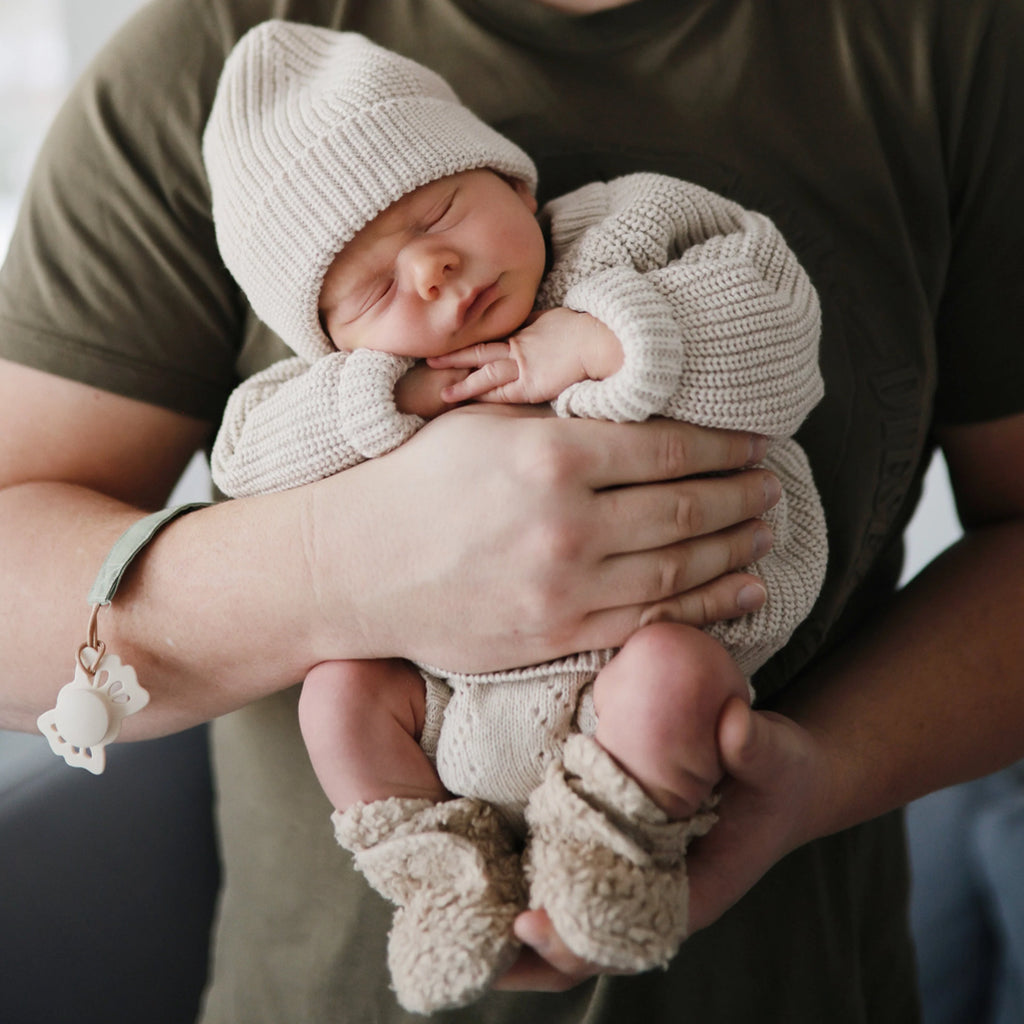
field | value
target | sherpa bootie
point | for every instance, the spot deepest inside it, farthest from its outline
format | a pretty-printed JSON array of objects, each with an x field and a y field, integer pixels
[
  {"x": 606, "y": 863},
  {"x": 453, "y": 870}
]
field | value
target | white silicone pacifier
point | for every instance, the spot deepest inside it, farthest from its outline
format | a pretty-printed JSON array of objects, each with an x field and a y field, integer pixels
[{"x": 91, "y": 708}]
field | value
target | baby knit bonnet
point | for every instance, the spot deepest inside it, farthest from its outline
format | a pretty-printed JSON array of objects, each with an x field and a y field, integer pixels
[{"x": 313, "y": 133}]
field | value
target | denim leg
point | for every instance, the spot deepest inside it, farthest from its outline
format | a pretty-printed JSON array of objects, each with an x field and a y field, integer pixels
[
  {"x": 999, "y": 845},
  {"x": 952, "y": 933}
]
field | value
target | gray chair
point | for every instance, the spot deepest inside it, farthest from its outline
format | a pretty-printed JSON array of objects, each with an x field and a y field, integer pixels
[{"x": 107, "y": 887}]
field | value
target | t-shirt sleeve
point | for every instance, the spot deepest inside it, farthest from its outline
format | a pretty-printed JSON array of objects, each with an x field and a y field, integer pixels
[
  {"x": 980, "y": 317},
  {"x": 113, "y": 276}
]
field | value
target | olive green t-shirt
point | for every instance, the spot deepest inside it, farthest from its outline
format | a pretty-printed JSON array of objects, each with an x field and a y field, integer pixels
[{"x": 884, "y": 140}]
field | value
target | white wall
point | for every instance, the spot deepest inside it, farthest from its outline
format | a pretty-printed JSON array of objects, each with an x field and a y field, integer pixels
[
  {"x": 89, "y": 23},
  {"x": 935, "y": 525}
]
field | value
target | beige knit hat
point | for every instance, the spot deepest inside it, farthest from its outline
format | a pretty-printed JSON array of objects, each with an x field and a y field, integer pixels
[{"x": 311, "y": 135}]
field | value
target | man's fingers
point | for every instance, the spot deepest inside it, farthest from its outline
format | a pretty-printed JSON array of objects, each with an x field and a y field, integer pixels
[
  {"x": 664, "y": 574},
  {"x": 727, "y": 597},
  {"x": 633, "y": 453},
  {"x": 653, "y": 516}
]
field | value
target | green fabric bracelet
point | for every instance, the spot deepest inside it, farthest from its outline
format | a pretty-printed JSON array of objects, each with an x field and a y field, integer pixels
[{"x": 128, "y": 545}]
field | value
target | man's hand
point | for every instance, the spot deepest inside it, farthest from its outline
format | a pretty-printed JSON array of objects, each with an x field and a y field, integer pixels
[
  {"x": 553, "y": 350},
  {"x": 776, "y": 795},
  {"x": 539, "y": 536},
  {"x": 774, "y": 799}
]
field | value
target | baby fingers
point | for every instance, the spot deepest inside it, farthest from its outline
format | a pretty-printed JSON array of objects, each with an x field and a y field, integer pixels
[
  {"x": 488, "y": 383},
  {"x": 471, "y": 356}
]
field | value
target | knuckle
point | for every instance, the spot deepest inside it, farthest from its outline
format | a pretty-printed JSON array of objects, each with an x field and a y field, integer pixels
[
  {"x": 690, "y": 515},
  {"x": 547, "y": 462},
  {"x": 706, "y": 610},
  {"x": 547, "y": 611},
  {"x": 674, "y": 453},
  {"x": 663, "y": 611},
  {"x": 556, "y": 543},
  {"x": 672, "y": 575}
]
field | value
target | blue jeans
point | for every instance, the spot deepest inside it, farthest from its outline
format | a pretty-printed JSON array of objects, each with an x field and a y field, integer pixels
[{"x": 967, "y": 900}]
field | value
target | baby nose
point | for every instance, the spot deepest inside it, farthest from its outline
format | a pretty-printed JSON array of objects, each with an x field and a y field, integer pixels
[{"x": 431, "y": 269}]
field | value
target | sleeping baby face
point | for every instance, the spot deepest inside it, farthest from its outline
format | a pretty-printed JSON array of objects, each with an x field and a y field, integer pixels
[{"x": 453, "y": 263}]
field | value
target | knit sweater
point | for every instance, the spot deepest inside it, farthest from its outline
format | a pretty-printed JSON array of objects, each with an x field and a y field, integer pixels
[{"x": 719, "y": 326}]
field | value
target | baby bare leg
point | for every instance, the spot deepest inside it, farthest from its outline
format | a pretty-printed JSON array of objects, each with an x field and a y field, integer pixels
[
  {"x": 658, "y": 702},
  {"x": 361, "y": 722}
]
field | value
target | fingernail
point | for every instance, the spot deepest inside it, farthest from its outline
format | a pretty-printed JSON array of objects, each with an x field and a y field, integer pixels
[
  {"x": 763, "y": 540},
  {"x": 751, "y": 597},
  {"x": 772, "y": 491},
  {"x": 758, "y": 449}
]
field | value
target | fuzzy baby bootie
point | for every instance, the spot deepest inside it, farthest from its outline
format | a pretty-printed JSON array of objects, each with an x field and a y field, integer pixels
[
  {"x": 453, "y": 870},
  {"x": 606, "y": 863}
]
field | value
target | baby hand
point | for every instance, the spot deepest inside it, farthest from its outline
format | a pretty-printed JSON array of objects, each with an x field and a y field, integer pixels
[
  {"x": 420, "y": 390},
  {"x": 552, "y": 350}
]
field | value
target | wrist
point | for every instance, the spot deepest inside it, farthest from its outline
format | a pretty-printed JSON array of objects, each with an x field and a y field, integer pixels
[
  {"x": 601, "y": 351},
  {"x": 214, "y": 613},
  {"x": 849, "y": 770}
]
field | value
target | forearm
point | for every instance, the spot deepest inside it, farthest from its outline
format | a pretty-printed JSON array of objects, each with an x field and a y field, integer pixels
[
  {"x": 195, "y": 614},
  {"x": 572, "y": 523},
  {"x": 931, "y": 694}
]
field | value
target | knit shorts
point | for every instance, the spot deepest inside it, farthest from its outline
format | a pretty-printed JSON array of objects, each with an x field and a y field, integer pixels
[{"x": 492, "y": 736}]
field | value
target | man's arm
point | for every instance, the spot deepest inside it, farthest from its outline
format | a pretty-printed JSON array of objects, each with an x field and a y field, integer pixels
[
  {"x": 936, "y": 683},
  {"x": 928, "y": 695},
  {"x": 236, "y": 601}
]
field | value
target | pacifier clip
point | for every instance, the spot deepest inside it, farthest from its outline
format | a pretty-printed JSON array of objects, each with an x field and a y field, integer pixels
[{"x": 104, "y": 691}]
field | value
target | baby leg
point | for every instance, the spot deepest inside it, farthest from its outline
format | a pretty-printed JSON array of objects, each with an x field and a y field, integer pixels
[
  {"x": 658, "y": 702},
  {"x": 450, "y": 866},
  {"x": 361, "y": 722}
]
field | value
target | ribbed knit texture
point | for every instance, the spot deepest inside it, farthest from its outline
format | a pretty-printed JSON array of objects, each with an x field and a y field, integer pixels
[
  {"x": 718, "y": 321},
  {"x": 297, "y": 422},
  {"x": 312, "y": 133}
]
